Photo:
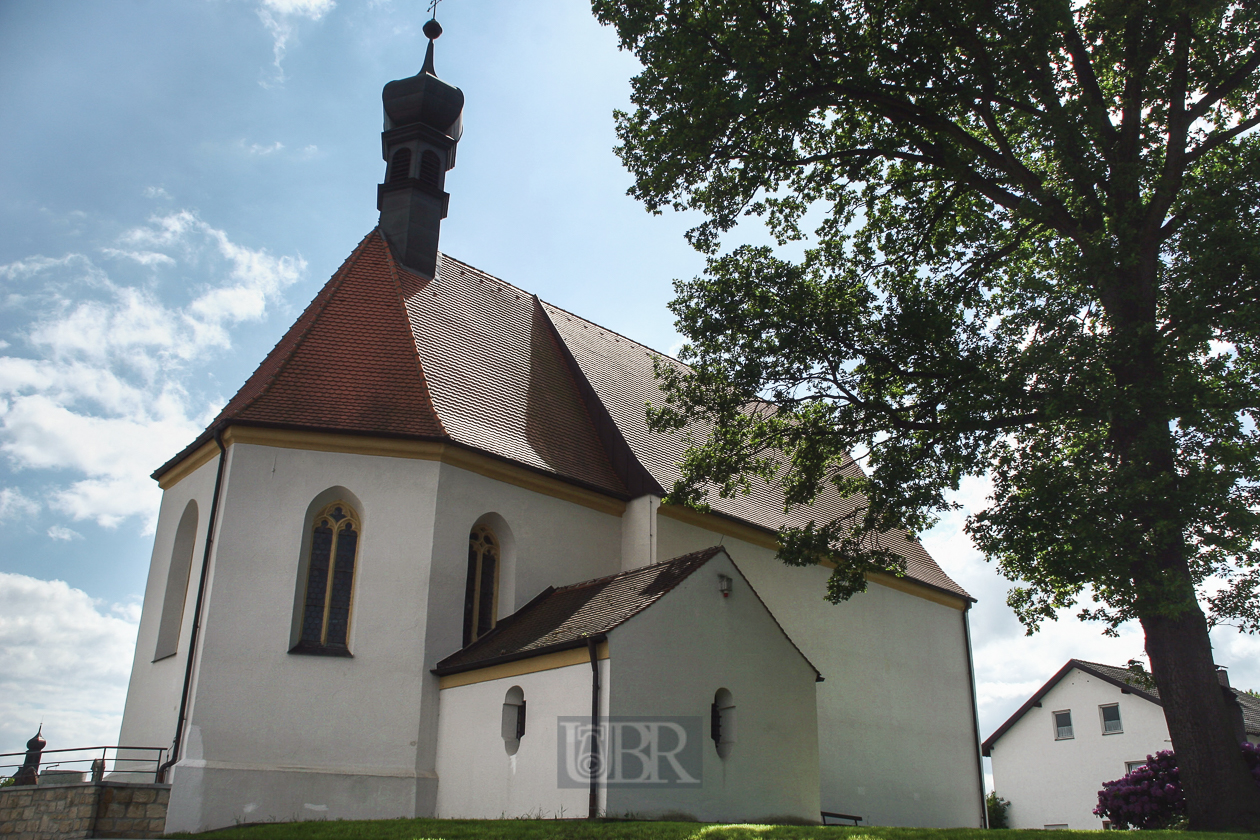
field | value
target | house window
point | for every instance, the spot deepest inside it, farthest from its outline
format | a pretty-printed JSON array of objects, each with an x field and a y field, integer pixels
[
  {"x": 481, "y": 591},
  {"x": 330, "y": 581},
  {"x": 722, "y": 722},
  {"x": 1110, "y": 719},
  {"x": 177, "y": 584},
  {"x": 513, "y": 724},
  {"x": 1133, "y": 766},
  {"x": 1063, "y": 725}
]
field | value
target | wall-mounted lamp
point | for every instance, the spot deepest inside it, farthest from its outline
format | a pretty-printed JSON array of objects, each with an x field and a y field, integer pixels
[{"x": 724, "y": 586}]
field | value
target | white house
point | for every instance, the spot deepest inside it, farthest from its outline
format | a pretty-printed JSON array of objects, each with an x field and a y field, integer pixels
[
  {"x": 1088, "y": 725},
  {"x": 347, "y": 558}
]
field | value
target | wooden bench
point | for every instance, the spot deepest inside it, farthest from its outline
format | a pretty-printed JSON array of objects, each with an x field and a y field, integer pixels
[{"x": 833, "y": 815}]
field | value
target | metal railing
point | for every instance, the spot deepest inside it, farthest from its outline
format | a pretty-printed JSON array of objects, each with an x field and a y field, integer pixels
[{"x": 126, "y": 764}]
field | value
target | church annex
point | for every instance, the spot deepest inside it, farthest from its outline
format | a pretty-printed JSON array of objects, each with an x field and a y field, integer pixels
[{"x": 427, "y": 535}]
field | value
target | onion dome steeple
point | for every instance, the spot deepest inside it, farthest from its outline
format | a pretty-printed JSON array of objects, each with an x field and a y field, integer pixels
[{"x": 423, "y": 124}]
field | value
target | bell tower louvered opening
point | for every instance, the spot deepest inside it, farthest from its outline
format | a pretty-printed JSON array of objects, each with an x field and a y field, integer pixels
[
  {"x": 430, "y": 169},
  {"x": 400, "y": 166}
]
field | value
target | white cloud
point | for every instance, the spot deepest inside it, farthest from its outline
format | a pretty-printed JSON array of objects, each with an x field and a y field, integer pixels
[
  {"x": 14, "y": 504},
  {"x": 145, "y": 258},
  {"x": 279, "y": 17},
  {"x": 64, "y": 662},
  {"x": 60, "y": 532},
  {"x": 105, "y": 399},
  {"x": 156, "y": 192},
  {"x": 261, "y": 150}
]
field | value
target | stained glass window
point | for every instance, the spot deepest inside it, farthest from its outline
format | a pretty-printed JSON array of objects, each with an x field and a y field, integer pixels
[
  {"x": 481, "y": 590},
  {"x": 330, "y": 580}
]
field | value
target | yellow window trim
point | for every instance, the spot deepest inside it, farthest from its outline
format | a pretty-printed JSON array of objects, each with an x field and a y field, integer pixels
[
  {"x": 545, "y": 662},
  {"x": 766, "y": 539},
  {"x": 455, "y": 456}
]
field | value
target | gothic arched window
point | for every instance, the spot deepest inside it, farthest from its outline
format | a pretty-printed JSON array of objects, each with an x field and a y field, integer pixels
[
  {"x": 330, "y": 581},
  {"x": 400, "y": 166},
  {"x": 481, "y": 593}
]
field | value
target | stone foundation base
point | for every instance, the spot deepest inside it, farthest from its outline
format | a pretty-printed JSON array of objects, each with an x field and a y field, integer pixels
[{"x": 71, "y": 811}]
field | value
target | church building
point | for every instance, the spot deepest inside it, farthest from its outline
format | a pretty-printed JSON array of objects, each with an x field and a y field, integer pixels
[{"x": 419, "y": 565}]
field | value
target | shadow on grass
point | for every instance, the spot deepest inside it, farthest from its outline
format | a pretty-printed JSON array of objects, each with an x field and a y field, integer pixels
[{"x": 405, "y": 829}]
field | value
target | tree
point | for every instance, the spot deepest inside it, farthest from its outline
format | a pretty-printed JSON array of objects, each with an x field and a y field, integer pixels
[{"x": 1034, "y": 257}]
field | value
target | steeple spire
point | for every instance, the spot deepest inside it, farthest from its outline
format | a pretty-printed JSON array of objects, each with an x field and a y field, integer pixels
[{"x": 423, "y": 124}]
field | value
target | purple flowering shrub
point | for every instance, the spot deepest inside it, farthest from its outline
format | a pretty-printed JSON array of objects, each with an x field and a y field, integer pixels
[{"x": 1150, "y": 796}]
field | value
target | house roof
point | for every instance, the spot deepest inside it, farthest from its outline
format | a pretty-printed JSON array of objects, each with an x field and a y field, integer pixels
[
  {"x": 568, "y": 616},
  {"x": 1123, "y": 679},
  {"x": 472, "y": 360}
]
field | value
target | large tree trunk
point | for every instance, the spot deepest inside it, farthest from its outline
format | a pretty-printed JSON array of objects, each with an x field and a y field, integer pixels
[{"x": 1220, "y": 792}]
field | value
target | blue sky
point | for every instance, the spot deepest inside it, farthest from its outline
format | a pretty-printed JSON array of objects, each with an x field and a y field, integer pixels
[{"x": 178, "y": 179}]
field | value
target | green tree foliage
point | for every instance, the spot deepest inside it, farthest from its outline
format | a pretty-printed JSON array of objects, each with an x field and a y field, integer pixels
[
  {"x": 1034, "y": 257},
  {"x": 996, "y": 808}
]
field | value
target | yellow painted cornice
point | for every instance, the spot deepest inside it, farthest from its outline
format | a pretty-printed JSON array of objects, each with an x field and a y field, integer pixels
[
  {"x": 766, "y": 539},
  {"x": 545, "y": 662},
  {"x": 196, "y": 459},
  {"x": 426, "y": 450}
]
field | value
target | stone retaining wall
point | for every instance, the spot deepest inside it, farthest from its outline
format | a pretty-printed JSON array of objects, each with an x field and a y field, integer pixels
[{"x": 68, "y": 812}]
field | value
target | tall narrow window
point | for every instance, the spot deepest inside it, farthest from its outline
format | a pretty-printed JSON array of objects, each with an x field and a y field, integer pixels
[
  {"x": 400, "y": 166},
  {"x": 330, "y": 581},
  {"x": 481, "y": 592},
  {"x": 1063, "y": 725},
  {"x": 177, "y": 584}
]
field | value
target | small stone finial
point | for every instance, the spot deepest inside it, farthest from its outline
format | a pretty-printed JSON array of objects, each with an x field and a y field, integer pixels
[{"x": 28, "y": 773}]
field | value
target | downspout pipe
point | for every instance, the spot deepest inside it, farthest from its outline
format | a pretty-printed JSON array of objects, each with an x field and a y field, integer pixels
[
  {"x": 975, "y": 715},
  {"x": 178, "y": 742},
  {"x": 592, "y": 647}
]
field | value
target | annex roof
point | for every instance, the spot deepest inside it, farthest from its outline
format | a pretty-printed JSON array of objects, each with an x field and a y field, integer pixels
[
  {"x": 568, "y": 616},
  {"x": 1127, "y": 682},
  {"x": 469, "y": 359}
]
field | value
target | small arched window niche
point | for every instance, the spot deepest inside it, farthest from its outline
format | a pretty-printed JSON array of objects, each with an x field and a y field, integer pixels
[
  {"x": 722, "y": 722},
  {"x": 177, "y": 574},
  {"x": 513, "y": 719},
  {"x": 481, "y": 590},
  {"x": 334, "y": 548}
]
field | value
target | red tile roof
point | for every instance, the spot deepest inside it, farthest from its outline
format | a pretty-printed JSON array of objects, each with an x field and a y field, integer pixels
[
  {"x": 319, "y": 374},
  {"x": 468, "y": 358},
  {"x": 564, "y": 618}
]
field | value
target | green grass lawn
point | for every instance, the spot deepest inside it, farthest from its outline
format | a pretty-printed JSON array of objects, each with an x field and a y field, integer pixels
[{"x": 616, "y": 830}]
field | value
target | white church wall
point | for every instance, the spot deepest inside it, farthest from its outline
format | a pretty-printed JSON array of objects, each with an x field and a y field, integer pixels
[
  {"x": 895, "y": 718},
  {"x": 479, "y": 779},
  {"x": 638, "y": 532},
  {"x": 271, "y": 732},
  {"x": 155, "y": 688},
  {"x": 1053, "y": 781},
  {"x": 672, "y": 658}
]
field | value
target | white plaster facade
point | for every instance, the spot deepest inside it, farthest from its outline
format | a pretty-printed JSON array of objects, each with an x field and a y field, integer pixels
[
  {"x": 1052, "y": 781},
  {"x": 271, "y": 735}
]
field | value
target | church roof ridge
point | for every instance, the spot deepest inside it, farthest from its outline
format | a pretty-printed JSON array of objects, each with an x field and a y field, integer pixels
[{"x": 650, "y": 350}]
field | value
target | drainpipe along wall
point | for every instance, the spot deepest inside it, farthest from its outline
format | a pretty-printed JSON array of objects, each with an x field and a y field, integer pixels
[{"x": 177, "y": 743}]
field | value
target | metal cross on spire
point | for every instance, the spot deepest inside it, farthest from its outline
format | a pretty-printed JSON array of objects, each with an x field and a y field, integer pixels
[{"x": 433, "y": 4}]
